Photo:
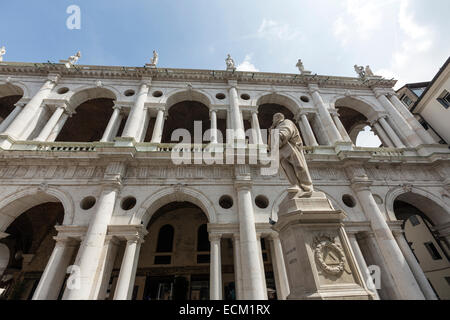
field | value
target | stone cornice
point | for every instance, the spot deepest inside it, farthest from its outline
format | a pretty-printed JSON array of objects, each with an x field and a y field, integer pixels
[{"x": 138, "y": 73}]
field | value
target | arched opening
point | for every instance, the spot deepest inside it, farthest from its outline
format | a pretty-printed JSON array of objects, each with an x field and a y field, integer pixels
[
  {"x": 174, "y": 260},
  {"x": 420, "y": 216},
  {"x": 265, "y": 117},
  {"x": 9, "y": 96},
  {"x": 184, "y": 115},
  {"x": 357, "y": 125},
  {"x": 30, "y": 243},
  {"x": 93, "y": 109}
]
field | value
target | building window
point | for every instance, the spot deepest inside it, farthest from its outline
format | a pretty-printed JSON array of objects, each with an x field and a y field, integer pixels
[
  {"x": 432, "y": 250},
  {"x": 448, "y": 280},
  {"x": 164, "y": 245},
  {"x": 406, "y": 100},
  {"x": 165, "y": 239},
  {"x": 203, "y": 245},
  {"x": 414, "y": 220},
  {"x": 444, "y": 99}
]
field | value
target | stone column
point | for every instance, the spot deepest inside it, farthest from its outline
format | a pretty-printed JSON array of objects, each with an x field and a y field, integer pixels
[
  {"x": 236, "y": 117},
  {"x": 402, "y": 275},
  {"x": 279, "y": 268},
  {"x": 11, "y": 116},
  {"x": 110, "y": 249},
  {"x": 213, "y": 118},
  {"x": 215, "y": 275},
  {"x": 415, "y": 125},
  {"x": 362, "y": 264},
  {"x": 256, "y": 128},
  {"x": 89, "y": 254},
  {"x": 158, "y": 128},
  {"x": 391, "y": 133},
  {"x": 401, "y": 125},
  {"x": 382, "y": 135},
  {"x": 113, "y": 125},
  {"x": 415, "y": 267},
  {"x": 51, "y": 123},
  {"x": 20, "y": 123},
  {"x": 136, "y": 117},
  {"x": 53, "y": 277},
  {"x": 127, "y": 275},
  {"x": 308, "y": 130},
  {"x": 237, "y": 266},
  {"x": 340, "y": 126},
  {"x": 325, "y": 116},
  {"x": 261, "y": 261},
  {"x": 59, "y": 126},
  {"x": 253, "y": 288}
]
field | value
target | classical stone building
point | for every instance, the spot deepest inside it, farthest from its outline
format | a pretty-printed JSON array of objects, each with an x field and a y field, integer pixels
[{"x": 88, "y": 181}]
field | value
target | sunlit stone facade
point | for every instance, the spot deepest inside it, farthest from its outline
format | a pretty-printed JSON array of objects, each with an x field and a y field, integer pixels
[{"x": 87, "y": 180}]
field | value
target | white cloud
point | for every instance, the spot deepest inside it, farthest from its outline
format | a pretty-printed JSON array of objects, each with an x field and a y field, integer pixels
[
  {"x": 273, "y": 29},
  {"x": 361, "y": 18},
  {"x": 415, "y": 59},
  {"x": 247, "y": 65}
]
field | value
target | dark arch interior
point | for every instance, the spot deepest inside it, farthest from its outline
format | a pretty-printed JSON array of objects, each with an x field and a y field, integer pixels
[
  {"x": 266, "y": 112},
  {"x": 404, "y": 210},
  {"x": 89, "y": 121},
  {"x": 29, "y": 230},
  {"x": 171, "y": 207},
  {"x": 350, "y": 117},
  {"x": 165, "y": 239},
  {"x": 7, "y": 105},
  {"x": 183, "y": 115}
]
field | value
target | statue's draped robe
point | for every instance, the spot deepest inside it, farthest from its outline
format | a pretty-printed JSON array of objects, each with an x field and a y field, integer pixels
[{"x": 291, "y": 156}]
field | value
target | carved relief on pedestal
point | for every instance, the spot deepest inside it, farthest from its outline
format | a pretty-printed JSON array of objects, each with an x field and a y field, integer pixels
[{"x": 329, "y": 256}]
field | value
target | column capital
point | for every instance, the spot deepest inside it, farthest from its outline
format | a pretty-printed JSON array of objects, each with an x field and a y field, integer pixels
[
  {"x": 20, "y": 104},
  {"x": 3, "y": 235},
  {"x": 53, "y": 78},
  {"x": 360, "y": 185},
  {"x": 233, "y": 84},
  {"x": 118, "y": 107},
  {"x": 65, "y": 241},
  {"x": 274, "y": 236},
  {"x": 254, "y": 111},
  {"x": 313, "y": 88},
  {"x": 379, "y": 92},
  {"x": 147, "y": 81},
  {"x": 215, "y": 236},
  {"x": 243, "y": 185}
]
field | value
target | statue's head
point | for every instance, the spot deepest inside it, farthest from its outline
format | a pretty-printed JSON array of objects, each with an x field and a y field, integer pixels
[{"x": 277, "y": 118}]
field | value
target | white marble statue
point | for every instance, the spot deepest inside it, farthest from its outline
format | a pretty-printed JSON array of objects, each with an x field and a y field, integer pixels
[
  {"x": 360, "y": 71},
  {"x": 154, "y": 60},
  {"x": 73, "y": 59},
  {"x": 300, "y": 66},
  {"x": 369, "y": 72},
  {"x": 291, "y": 155},
  {"x": 230, "y": 63},
  {"x": 2, "y": 53}
]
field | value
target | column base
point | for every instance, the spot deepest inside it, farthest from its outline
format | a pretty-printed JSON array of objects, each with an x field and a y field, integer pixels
[{"x": 319, "y": 262}]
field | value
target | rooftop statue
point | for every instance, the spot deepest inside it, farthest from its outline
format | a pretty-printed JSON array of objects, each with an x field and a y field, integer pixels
[
  {"x": 2, "y": 53},
  {"x": 154, "y": 59},
  {"x": 73, "y": 59},
  {"x": 230, "y": 63},
  {"x": 360, "y": 71},
  {"x": 301, "y": 67},
  {"x": 291, "y": 156},
  {"x": 369, "y": 72}
]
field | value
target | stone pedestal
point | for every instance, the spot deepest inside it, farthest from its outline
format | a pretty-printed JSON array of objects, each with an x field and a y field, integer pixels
[{"x": 319, "y": 262}]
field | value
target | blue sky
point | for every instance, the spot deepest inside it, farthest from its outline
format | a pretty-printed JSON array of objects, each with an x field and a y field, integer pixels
[{"x": 404, "y": 39}]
